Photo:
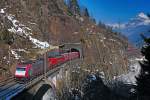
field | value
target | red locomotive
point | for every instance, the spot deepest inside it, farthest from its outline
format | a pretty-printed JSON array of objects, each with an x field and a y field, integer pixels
[{"x": 31, "y": 69}]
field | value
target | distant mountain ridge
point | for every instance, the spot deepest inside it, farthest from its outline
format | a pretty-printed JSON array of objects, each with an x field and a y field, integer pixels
[{"x": 134, "y": 27}]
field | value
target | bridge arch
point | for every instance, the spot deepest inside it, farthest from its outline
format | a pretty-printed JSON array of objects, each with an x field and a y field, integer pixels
[
  {"x": 41, "y": 91},
  {"x": 46, "y": 90}
]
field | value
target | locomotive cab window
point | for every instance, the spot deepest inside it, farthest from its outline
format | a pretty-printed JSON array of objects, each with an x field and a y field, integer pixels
[
  {"x": 20, "y": 69},
  {"x": 53, "y": 53}
]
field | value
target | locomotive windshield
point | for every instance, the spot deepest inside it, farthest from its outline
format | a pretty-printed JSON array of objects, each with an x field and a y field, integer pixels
[{"x": 20, "y": 69}]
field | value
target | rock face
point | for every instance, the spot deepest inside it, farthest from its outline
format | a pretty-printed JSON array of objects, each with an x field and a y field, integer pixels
[{"x": 39, "y": 22}]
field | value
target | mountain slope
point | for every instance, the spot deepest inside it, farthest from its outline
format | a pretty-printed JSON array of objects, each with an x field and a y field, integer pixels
[{"x": 36, "y": 24}]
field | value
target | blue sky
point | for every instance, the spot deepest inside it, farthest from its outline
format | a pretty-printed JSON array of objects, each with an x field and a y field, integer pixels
[{"x": 113, "y": 11}]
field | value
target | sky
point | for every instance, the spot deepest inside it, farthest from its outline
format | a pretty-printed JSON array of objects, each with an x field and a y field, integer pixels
[{"x": 114, "y": 11}]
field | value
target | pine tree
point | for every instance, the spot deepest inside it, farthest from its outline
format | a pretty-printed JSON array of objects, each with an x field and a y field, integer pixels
[
  {"x": 148, "y": 15},
  {"x": 73, "y": 6},
  {"x": 143, "y": 80},
  {"x": 86, "y": 13},
  {"x": 95, "y": 89},
  {"x": 93, "y": 20},
  {"x": 102, "y": 25}
]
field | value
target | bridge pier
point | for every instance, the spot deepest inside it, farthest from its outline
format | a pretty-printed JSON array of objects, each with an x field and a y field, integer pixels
[
  {"x": 51, "y": 84},
  {"x": 44, "y": 90}
]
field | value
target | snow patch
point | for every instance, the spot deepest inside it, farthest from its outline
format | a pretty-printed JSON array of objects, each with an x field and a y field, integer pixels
[
  {"x": 104, "y": 38},
  {"x": 112, "y": 40},
  {"x": 4, "y": 57},
  {"x": 132, "y": 90},
  {"x": 146, "y": 73},
  {"x": 134, "y": 71},
  {"x": 18, "y": 28},
  {"x": 54, "y": 80},
  {"x": 102, "y": 75},
  {"x": 110, "y": 62},
  {"x": 32, "y": 23},
  {"x": 104, "y": 44},
  {"x": 117, "y": 25},
  {"x": 141, "y": 59},
  {"x": 87, "y": 70},
  {"x": 39, "y": 43},
  {"x": 114, "y": 77},
  {"x": 142, "y": 15},
  {"x": 2, "y": 11},
  {"x": 92, "y": 77},
  {"x": 24, "y": 31},
  {"x": 80, "y": 18},
  {"x": 15, "y": 54},
  {"x": 21, "y": 50},
  {"x": 11, "y": 18}
]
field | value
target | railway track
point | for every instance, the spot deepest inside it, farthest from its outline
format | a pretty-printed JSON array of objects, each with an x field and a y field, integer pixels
[{"x": 10, "y": 88}]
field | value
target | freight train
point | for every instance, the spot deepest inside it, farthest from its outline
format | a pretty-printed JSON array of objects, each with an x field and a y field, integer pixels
[{"x": 31, "y": 69}]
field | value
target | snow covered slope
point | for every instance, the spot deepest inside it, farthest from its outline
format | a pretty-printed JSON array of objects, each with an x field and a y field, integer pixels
[{"x": 22, "y": 30}]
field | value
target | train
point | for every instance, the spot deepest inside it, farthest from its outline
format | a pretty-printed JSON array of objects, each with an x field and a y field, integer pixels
[{"x": 31, "y": 69}]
